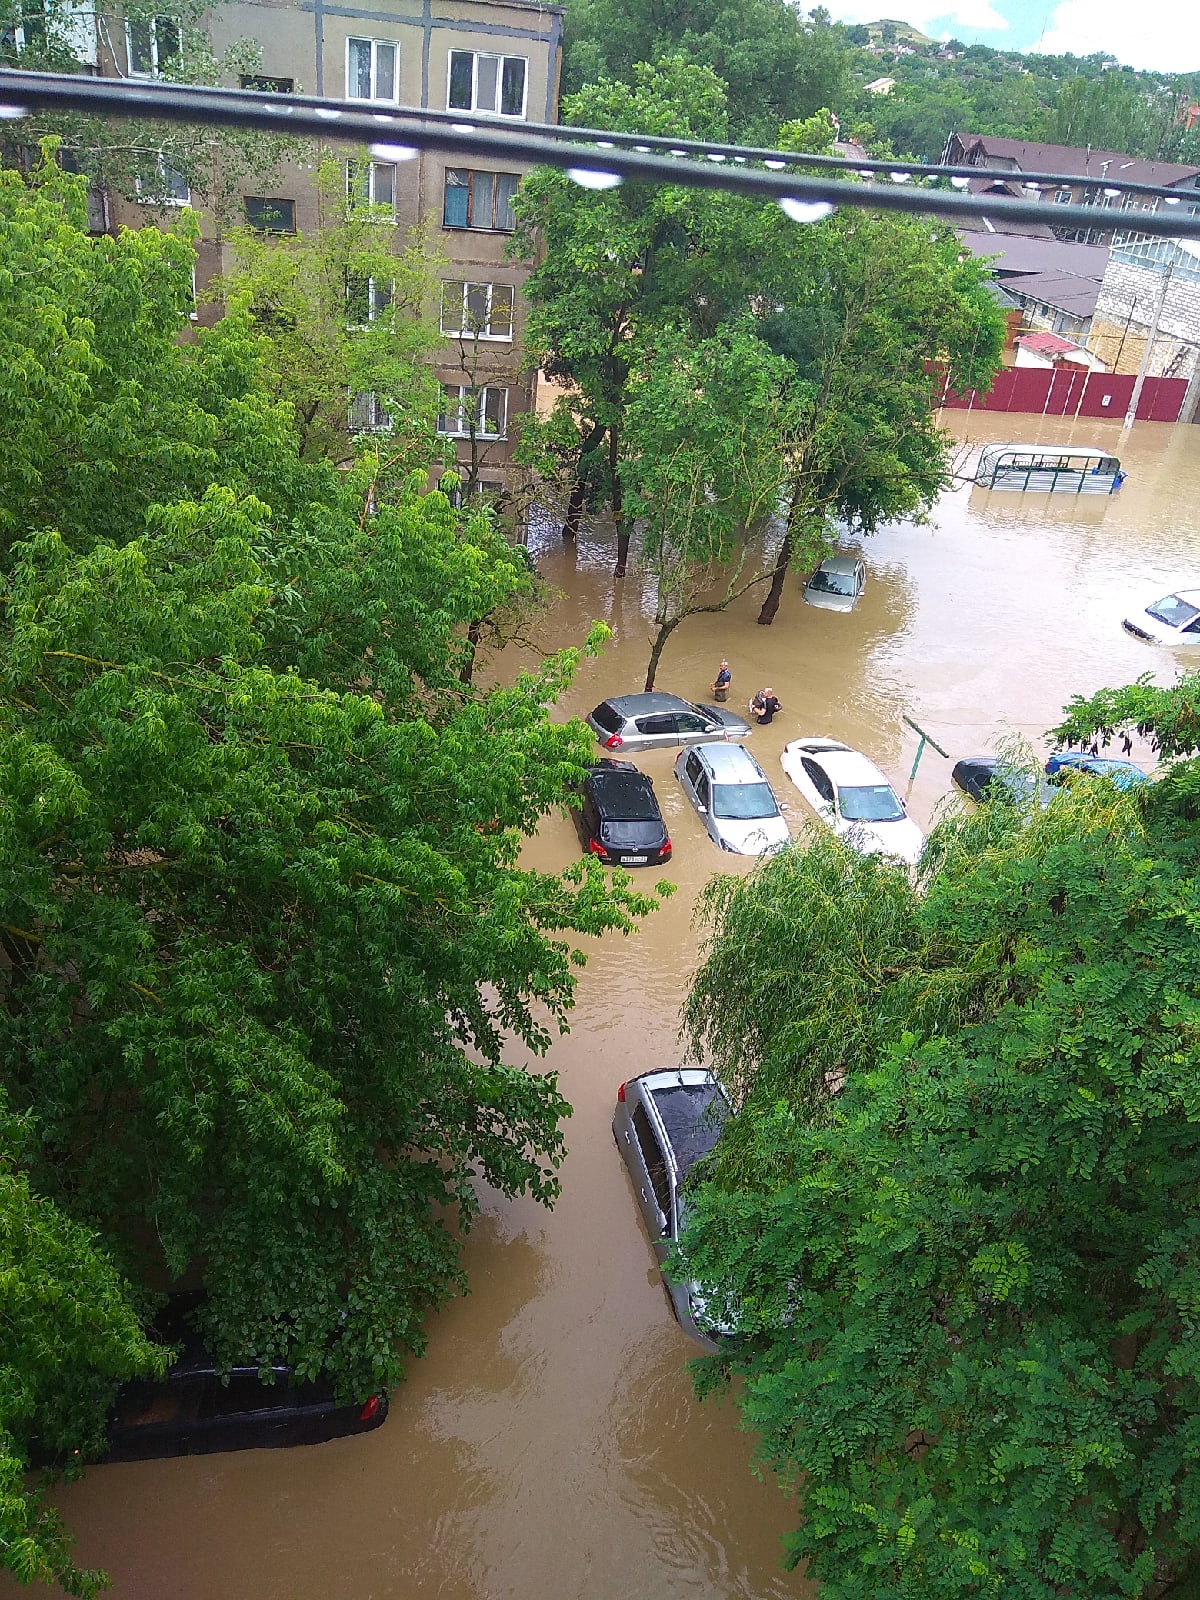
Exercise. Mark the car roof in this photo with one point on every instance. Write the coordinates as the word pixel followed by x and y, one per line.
pixel 848 564
pixel 1192 596
pixel 843 764
pixel 614 790
pixel 639 705
pixel 729 763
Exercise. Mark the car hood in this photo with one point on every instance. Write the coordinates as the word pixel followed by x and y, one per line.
pixel 728 719
pixel 830 602
pixel 902 839
pixel 754 836
pixel 1145 626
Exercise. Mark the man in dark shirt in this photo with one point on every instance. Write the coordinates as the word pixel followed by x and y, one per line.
pixel 764 706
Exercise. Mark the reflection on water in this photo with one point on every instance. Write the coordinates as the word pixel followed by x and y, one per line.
pixel 549 1447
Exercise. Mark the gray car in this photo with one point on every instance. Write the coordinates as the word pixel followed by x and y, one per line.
pixel 656 721
pixel 736 803
pixel 664 1122
pixel 837 584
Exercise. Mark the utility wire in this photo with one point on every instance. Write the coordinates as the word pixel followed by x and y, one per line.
pixel 595 159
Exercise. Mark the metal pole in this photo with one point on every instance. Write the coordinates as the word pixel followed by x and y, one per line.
pixel 1144 368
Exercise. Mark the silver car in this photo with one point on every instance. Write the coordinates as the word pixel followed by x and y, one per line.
pixel 664 1122
pixel 837 584
pixel 735 802
pixel 656 721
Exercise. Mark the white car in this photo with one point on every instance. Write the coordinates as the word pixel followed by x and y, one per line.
pixel 1175 619
pixel 850 794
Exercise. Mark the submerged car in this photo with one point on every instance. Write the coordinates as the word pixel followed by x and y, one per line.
pixel 850 795
pixel 837 584
pixel 1119 772
pixel 658 721
pixel 664 1123
pixel 730 792
pixel 198 1409
pixel 991 778
pixel 1175 619
pixel 619 819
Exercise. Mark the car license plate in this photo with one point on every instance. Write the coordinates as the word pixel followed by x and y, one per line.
pixel 633 861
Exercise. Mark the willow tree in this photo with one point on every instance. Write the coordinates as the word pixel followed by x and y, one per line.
pixel 956 1217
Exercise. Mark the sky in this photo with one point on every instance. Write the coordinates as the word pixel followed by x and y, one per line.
pixel 1156 36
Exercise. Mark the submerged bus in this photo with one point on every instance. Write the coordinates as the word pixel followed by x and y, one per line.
pixel 1078 469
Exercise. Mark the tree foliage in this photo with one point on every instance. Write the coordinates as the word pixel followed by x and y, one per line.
pixel 265 935
pixel 956 1214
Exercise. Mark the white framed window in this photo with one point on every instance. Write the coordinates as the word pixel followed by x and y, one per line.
pixel 27 29
pixel 167 187
pixel 373 70
pixel 495 85
pixel 368 414
pixel 152 43
pixel 468 412
pixel 372 183
pixel 366 299
pixel 477 310
pixel 481 201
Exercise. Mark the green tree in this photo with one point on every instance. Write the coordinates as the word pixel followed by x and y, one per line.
pixel 266 937
pixel 956 1215
pixel 776 62
pixel 68 1334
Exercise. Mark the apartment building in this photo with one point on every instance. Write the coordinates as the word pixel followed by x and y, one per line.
pixel 490 59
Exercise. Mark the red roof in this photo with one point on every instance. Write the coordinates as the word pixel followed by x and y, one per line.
pixel 1048 344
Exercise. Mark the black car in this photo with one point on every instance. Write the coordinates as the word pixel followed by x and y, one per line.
pixel 987 778
pixel 195 1410
pixel 619 820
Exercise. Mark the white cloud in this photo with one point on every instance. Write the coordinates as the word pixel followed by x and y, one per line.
pixel 1155 37
pixel 933 17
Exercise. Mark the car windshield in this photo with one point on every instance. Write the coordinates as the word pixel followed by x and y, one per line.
pixel 1176 613
pixel 742 801
pixel 832 582
pixel 870 802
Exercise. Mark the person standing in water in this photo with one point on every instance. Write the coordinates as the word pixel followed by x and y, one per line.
pixel 722 680
pixel 765 706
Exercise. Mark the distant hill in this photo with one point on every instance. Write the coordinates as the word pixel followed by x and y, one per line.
pixel 889 32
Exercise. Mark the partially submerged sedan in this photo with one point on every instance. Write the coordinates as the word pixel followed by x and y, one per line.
pixel 1173 620
pixel 850 795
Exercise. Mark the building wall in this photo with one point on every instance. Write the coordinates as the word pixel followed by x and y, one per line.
pixel 307 42
pixel 1125 314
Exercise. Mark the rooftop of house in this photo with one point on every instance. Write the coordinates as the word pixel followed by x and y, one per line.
pixel 1065 291
pixel 1022 155
pixel 1022 253
pixel 1047 344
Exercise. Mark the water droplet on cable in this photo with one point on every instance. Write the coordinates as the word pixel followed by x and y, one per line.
pixel 11 113
pixel 605 144
pixel 715 155
pixel 775 166
pixel 900 177
pixel 591 178
pixel 959 183
pixel 679 152
pixel 642 149
pixel 327 114
pixel 464 127
pixel 805 210
pixel 1112 193
pixel 867 173
pixel 395 152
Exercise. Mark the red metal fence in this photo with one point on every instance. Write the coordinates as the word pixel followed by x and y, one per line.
pixel 1072 392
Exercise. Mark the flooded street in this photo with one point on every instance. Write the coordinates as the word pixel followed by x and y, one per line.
pixel 549 1446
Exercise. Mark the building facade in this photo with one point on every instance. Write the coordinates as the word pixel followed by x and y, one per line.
pixel 1148 311
pixel 491 59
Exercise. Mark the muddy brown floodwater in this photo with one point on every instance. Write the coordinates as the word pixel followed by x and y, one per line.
pixel 549 1447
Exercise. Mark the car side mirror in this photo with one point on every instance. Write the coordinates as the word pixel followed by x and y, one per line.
pixel 703 810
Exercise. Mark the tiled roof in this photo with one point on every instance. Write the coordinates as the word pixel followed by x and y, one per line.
pixel 1026 156
pixel 1047 344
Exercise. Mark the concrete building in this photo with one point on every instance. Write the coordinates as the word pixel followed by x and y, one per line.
pixel 490 59
pixel 1150 296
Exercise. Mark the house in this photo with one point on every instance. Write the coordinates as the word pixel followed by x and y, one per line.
pixel 1088 177
pixel 1055 282
pixel 1049 350
pixel 880 86
pixel 1150 297
pixel 494 60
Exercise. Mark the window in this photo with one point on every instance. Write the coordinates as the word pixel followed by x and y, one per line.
pixel 261 84
pixel 366 298
pixel 656 1163
pixel 270 215
pixel 467 412
pixel 372 183
pixel 371 70
pixel 477 310
pixel 494 84
pixel 27 30
pixel 493 489
pixel 152 44
pixel 481 200
pixel 166 187
pixel 368 414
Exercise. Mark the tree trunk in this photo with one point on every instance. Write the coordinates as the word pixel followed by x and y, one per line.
pixel 665 630
pixel 570 530
pixel 618 512
pixel 770 605
pixel 474 634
